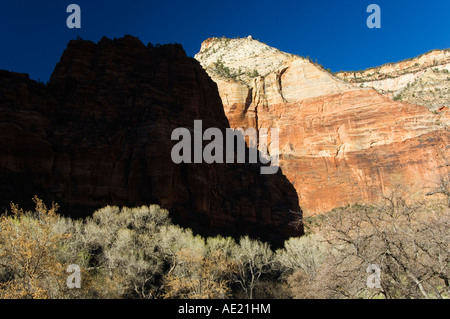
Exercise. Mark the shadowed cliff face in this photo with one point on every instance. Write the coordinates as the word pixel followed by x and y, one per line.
pixel 100 134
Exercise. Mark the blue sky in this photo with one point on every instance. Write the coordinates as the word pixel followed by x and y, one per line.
pixel 33 34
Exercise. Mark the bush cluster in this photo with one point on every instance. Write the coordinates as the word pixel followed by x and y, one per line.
pixel 140 253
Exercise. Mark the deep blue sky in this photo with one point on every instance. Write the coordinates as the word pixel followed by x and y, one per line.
pixel 33 34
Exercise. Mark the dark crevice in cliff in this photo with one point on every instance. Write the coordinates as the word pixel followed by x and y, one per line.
pixel 279 83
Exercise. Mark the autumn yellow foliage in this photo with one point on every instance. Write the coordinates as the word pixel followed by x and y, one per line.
pixel 196 276
pixel 27 253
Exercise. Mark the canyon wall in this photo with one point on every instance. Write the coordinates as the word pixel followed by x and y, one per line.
pixel 99 133
pixel 339 143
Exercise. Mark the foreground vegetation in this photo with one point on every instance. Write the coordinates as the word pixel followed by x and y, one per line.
pixel 139 253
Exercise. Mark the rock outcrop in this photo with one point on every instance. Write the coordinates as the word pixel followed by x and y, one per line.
pixel 424 80
pixel 99 133
pixel 339 144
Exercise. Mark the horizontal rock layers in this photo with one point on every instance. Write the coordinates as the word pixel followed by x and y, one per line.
pixel 424 80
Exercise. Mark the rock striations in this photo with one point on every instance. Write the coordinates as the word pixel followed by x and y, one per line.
pixel 339 144
pixel 424 80
pixel 99 133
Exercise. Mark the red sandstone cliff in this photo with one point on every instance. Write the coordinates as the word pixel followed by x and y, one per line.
pixel 339 144
pixel 100 133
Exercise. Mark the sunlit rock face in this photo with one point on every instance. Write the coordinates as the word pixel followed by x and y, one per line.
pixel 339 143
pixel 424 80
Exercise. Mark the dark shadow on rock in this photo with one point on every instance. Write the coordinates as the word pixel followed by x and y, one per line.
pixel 100 134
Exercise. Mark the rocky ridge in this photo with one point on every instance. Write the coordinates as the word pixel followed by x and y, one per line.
pixel 424 80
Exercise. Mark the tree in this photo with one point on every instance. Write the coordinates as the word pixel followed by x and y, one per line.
pixel 126 244
pixel 28 245
pixel 253 258
pixel 226 245
pixel 443 186
pixel 300 259
pixel 197 276
pixel 304 253
pixel 409 243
